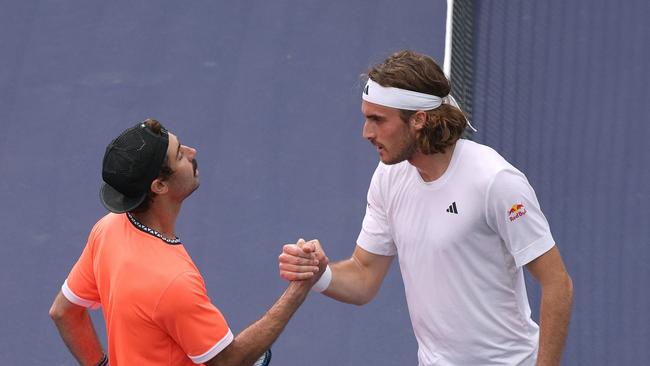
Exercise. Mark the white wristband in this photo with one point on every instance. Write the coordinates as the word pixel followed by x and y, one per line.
pixel 324 281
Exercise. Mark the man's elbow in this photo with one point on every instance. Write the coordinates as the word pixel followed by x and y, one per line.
pixel 562 288
pixel 569 287
pixel 359 302
pixel 565 282
pixel 61 308
pixel 356 298
pixel 56 312
pixel 364 297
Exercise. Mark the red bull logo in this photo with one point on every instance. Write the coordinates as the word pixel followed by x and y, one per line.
pixel 516 211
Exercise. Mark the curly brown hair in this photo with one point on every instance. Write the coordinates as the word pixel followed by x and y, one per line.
pixel 165 170
pixel 417 72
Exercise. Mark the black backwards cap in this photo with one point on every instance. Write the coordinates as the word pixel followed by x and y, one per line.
pixel 131 162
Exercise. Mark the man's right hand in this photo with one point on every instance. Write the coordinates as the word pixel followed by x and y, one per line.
pixel 302 261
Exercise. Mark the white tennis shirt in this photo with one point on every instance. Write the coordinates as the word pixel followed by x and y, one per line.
pixel 461 241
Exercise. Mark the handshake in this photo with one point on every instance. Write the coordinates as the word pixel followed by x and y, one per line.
pixel 303 261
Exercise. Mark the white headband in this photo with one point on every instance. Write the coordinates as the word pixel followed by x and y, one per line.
pixel 405 99
pixel 399 98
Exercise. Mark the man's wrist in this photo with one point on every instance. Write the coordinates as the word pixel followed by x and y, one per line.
pixel 324 281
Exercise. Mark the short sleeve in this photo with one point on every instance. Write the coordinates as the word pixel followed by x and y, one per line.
pixel 376 236
pixel 513 211
pixel 188 316
pixel 80 287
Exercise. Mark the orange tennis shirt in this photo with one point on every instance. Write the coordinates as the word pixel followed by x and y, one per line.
pixel 153 297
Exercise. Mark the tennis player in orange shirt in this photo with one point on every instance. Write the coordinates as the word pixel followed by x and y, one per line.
pixel 134 267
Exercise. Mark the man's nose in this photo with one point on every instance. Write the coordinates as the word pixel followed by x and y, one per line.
pixel 191 152
pixel 368 131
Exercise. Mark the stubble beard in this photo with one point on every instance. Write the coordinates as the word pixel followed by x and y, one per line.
pixel 404 150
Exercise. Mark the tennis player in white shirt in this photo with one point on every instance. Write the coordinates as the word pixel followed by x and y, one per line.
pixel 463 223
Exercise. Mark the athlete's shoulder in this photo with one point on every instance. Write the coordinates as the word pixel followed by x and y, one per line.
pixel 110 218
pixel 483 159
pixel 104 222
pixel 108 221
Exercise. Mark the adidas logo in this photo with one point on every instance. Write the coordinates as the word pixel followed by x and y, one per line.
pixel 452 208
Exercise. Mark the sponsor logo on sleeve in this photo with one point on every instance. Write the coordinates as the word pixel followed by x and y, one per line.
pixel 516 211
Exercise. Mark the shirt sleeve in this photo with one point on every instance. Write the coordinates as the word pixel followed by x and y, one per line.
pixel 188 316
pixel 376 236
pixel 80 287
pixel 513 211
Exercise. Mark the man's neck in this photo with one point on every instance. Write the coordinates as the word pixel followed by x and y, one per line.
pixel 432 167
pixel 160 217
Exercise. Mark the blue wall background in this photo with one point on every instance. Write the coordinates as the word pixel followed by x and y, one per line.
pixel 269 94
pixel 561 90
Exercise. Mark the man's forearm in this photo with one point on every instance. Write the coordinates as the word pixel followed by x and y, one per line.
pixel 251 343
pixel 350 283
pixel 78 333
pixel 358 279
pixel 555 314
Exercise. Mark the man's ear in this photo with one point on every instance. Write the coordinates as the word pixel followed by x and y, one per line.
pixel 418 120
pixel 159 186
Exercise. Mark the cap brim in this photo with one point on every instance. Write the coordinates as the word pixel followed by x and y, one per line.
pixel 116 202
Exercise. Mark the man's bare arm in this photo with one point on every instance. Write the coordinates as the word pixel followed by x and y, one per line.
pixel 253 341
pixel 76 330
pixel 555 309
pixel 355 280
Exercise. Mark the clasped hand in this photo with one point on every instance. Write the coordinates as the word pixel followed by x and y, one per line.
pixel 302 261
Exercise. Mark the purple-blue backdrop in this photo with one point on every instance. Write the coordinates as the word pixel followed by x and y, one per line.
pixel 268 92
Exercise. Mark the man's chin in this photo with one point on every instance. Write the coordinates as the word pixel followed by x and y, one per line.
pixel 196 186
pixel 390 161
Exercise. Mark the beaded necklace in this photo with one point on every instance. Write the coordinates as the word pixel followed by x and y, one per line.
pixel 151 231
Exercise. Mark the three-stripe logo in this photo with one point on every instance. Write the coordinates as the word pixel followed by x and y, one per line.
pixel 452 208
